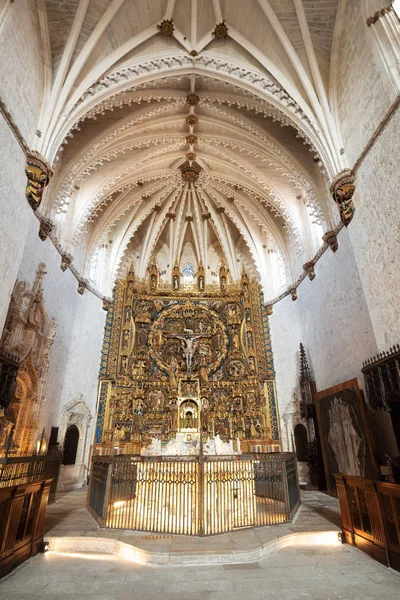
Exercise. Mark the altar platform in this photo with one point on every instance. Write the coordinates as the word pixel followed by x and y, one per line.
pixel 72 531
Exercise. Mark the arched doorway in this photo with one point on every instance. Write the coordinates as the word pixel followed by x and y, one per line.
pixel 300 442
pixel 70 445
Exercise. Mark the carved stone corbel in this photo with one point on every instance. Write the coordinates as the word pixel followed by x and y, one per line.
pixel 106 304
pixel 330 238
pixel 82 285
pixel 45 228
pixel 269 309
pixel 342 190
pixel 309 269
pixel 38 172
pixel 66 259
pixel 293 293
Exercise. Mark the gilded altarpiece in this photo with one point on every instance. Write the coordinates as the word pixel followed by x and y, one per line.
pixel 186 360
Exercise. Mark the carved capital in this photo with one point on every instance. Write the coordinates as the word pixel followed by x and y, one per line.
pixel 342 190
pixel 330 238
pixel 38 172
pixel 309 269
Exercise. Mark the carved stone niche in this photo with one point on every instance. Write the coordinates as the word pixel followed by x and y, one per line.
pixel 298 434
pixel 28 338
pixel 74 429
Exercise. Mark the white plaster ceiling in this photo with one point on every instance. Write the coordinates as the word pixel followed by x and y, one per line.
pixel 113 126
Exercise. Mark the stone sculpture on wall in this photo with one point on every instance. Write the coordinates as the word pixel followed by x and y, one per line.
pixel 28 337
pixel 38 172
pixel 342 190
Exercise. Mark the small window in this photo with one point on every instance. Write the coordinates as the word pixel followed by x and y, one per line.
pixel 396 7
pixel 188 273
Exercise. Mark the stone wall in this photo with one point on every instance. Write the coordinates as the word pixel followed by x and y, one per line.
pixel 22 66
pixel 375 234
pixel 364 96
pixel 75 355
pixel 364 92
pixel 331 319
pixel 286 337
pixel 16 215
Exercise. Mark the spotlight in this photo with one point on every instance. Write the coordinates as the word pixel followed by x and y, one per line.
pixel 44 546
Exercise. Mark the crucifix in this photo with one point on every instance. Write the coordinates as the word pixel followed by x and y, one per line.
pixel 189 341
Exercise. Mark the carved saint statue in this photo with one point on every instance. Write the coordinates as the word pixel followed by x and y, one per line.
pixel 189 420
pixel 343 438
pixel 173 373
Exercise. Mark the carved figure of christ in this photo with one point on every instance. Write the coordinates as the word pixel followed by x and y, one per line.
pixel 190 342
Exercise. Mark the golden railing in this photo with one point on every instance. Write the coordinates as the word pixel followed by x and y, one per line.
pixel 193 495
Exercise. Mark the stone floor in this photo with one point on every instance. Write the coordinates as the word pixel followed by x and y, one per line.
pixel 68 517
pixel 337 573
pixel 318 572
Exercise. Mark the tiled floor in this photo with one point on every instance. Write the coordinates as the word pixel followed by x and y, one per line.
pixel 294 573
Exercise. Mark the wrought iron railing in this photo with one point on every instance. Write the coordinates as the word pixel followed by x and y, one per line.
pixel 20 470
pixel 193 495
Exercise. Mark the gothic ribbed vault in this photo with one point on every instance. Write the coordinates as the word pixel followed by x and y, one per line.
pixel 239 90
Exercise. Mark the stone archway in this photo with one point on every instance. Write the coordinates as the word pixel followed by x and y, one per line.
pixel 300 442
pixel 75 423
pixel 70 447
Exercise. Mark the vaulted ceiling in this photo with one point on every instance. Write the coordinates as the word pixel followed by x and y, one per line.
pixel 189 123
